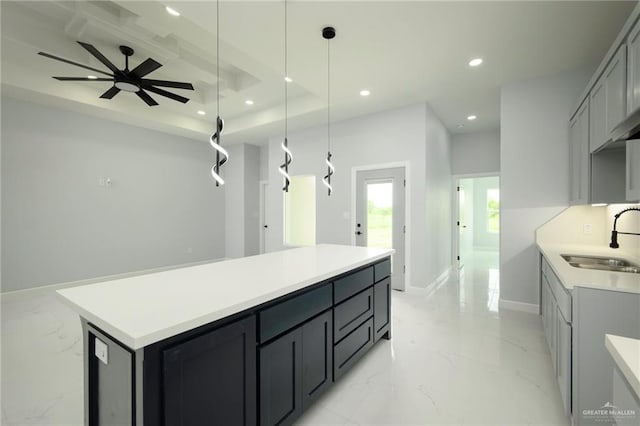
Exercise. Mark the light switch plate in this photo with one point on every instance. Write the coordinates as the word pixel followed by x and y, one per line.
pixel 102 351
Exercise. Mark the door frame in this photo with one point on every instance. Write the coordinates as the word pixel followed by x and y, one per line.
pixel 407 208
pixel 262 205
pixel 455 181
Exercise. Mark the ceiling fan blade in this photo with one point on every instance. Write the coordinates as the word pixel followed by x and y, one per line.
pixel 145 68
pixel 82 79
pixel 165 83
pixel 166 94
pixel 99 56
pixel 109 94
pixel 145 97
pixel 47 55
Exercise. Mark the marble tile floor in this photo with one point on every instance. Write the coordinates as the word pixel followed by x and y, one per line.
pixel 455 359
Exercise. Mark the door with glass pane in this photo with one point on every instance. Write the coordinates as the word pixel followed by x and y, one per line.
pixel 380 215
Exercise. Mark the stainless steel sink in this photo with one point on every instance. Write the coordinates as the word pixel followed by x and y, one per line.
pixel 601 263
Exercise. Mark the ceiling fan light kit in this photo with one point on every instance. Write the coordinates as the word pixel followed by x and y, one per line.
pixel 126 80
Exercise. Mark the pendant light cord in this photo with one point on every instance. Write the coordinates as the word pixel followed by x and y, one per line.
pixel 218 57
pixel 329 95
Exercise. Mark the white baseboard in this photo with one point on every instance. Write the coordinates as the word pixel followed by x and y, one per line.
pixel 519 306
pixel 34 291
pixel 442 278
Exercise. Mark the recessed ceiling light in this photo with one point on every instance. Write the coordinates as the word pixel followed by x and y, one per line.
pixel 92 77
pixel 460 126
pixel 471 117
pixel 248 102
pixel 475 62
pixel 365 92
pixel 172 11
pixel 201 112
pixel 288 79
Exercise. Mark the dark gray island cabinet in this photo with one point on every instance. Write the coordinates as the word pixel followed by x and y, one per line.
pixel 261 365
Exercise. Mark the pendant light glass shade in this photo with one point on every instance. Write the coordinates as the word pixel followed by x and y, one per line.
pixel 222 156
pixel 284 167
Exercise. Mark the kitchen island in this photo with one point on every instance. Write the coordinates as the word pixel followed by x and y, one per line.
pixel 247 341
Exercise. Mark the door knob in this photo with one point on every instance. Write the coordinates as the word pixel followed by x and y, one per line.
pixel 265 226
pixel 358 233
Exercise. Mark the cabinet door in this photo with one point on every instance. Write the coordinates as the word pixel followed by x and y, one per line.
pixel 382 308
pixel 579 162
pixel 317 358
pixel 598 133
pixel 550 313
pixel 633 170
pixel 281 380
pixel 616 86
pixel 563 361
pixel 633 69
pixel 211 379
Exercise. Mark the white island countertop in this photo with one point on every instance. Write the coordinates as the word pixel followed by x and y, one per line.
pixel 145 309
pixel 626 354
pixel 571 276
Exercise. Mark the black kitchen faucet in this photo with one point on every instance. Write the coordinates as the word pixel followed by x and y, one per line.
pixel 614 234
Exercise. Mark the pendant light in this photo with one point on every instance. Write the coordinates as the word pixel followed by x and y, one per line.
pixel 222 156
pixel 284 167
pixel 328 33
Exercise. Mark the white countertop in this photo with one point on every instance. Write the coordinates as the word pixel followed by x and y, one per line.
pixel 145 309
pixel 626 354
pixel 571 276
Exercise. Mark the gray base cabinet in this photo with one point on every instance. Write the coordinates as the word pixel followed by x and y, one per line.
pixel 596 313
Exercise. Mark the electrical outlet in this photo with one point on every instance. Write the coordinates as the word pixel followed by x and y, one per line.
pixel 588 228
pixel 101 351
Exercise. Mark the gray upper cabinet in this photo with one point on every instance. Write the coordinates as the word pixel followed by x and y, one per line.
pixel 608 100
pixel 579 156
pixel 633 67
pixel 633 170
pixel 616 82
pixel 598 134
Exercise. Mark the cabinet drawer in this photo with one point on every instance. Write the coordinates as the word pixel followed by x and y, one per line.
pixel 382 270
pixel 346 287
pixel 352 348
pixel 351 313
pixel 291 312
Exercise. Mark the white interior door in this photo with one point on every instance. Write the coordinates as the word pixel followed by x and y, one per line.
pixel 264 227
pixel 380 215
pixel 465 220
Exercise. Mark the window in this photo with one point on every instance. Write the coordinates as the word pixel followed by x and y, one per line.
pixel 493 210
pixel 300 212
pixel 380 214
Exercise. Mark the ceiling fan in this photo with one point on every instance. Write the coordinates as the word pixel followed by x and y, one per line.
pixel 128 80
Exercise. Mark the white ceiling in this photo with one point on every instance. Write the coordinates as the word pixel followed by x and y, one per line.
pixel 404 52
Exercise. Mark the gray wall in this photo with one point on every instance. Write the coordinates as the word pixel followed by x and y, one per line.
pixel 241 177
pixel 411 134
pixel 251 200
pixel 60 225
pixel 473 153
pixel 534 175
